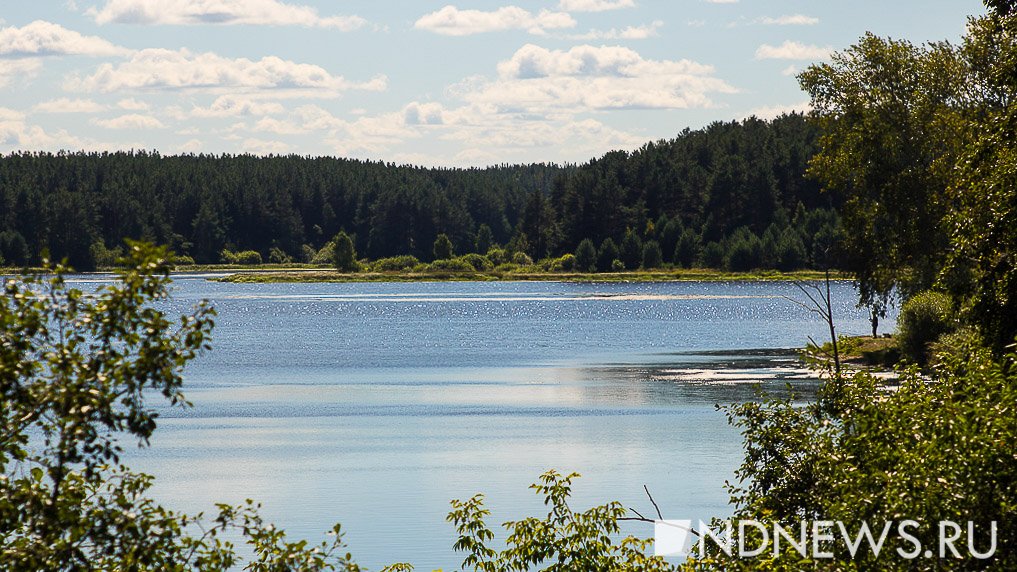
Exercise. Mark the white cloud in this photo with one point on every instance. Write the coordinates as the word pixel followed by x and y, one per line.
pixel 279 127
pixel 790 50
pixel 594 5
pixel 187 12
pixel 536 80
pixel 41 38
pixel 67 105
pixel 16 135
pixel 131 104
pixel 773 111
pixel 232 106
pixel 21 69
pixel 628 33
pixel 191 146
pixel 263 147
pixel 130 121
pixel 159 69
pixel 451 21
pixel 789 20
pixel 789 71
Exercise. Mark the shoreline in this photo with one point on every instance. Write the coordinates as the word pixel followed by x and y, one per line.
pixel 291 275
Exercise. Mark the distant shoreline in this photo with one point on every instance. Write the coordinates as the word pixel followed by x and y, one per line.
pixel 303 275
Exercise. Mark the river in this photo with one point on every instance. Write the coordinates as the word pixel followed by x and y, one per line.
pixel 374 404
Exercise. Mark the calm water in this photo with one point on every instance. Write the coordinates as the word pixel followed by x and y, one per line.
pixel 375 404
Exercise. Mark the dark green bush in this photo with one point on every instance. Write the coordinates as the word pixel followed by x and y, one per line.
pixel 395 263
pixel 652 256
pixel 923 319
pixel 450 265
pixel 248 258
pixel 586 256
pixel 477 261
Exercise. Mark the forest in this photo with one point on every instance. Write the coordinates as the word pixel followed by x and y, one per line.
pixel 731 195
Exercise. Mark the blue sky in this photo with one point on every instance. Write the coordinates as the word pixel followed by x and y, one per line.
pixel 470 83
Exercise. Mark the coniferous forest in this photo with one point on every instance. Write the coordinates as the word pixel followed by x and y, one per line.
pixel 730 195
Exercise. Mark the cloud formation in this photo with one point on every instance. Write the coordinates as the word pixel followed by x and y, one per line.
pixel 130 121
pixel 67 105
pixel 538 83
pixel 11 70
pixel 222 12
pixel 628 33
pixel 594 5
pixel 41 38
pixel 451 21
pixel 791 50
pixel 160 69
pixel 790 20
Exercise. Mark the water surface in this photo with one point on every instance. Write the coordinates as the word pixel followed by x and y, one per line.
pixel 375 404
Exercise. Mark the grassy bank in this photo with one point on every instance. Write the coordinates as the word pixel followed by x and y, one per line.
pixel 319 275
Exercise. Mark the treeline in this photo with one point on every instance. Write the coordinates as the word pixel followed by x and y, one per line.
pixel 732 194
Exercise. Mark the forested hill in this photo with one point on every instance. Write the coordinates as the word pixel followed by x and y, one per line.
pixel 722 183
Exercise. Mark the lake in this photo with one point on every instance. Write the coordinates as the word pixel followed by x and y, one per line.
pixel 374 404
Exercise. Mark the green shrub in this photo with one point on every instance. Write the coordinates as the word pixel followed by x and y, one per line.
pixel 443 248
pixel 307 253
pixel 652 255
pixel 248 258
pixel 498 256
pixel 344 254
pixel 522 259
pixel 227 256
pixel 450 265
pixel 713 255
pixel 395 263
pixel 277 256
pixel 585 256
pixel 183 260
pixel 607 254
pixel 564 263
pixel 923 319
pixel 506 267
pixel 617 266
pixel 477 262
pixel 325 255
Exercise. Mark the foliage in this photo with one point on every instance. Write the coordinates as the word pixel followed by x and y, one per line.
pixel 686 249
pixel 277 256
pixel 981 267
pixel 891 136
pixel 923 319
pixel 442 249
pixel 586 256
pixel 631 252
pixel 652 256
pixel 744 251
pixel 246 257
pixel 485 239
pixel 344 254
pixel 562 540
pixel 928 451
pixel 395 263
pixel 325 255
pixel 522 259
pixel 498 256
pixel 477 262
pixel 564 263
pixel 76 370
pixel 606 256
pixel 104 257
pixel 450 265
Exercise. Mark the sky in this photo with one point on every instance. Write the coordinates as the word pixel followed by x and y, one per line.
pixel 472 83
